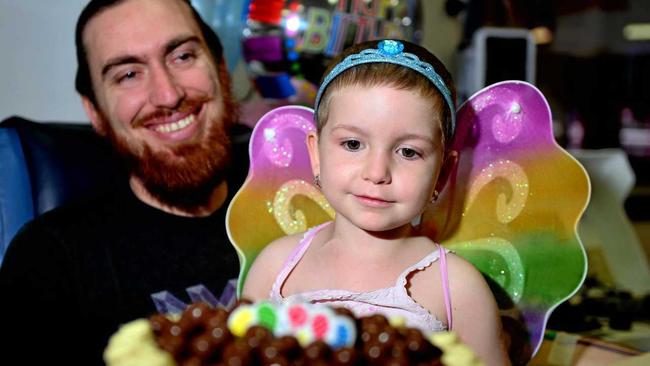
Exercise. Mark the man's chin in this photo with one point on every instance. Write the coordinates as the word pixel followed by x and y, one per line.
pixel 188 198
pixel 187 180
pixel 183 176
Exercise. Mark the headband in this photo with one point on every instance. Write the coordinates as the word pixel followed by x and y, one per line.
pixel 390 51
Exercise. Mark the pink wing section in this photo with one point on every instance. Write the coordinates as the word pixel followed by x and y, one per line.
pixel 512 204
pixel 278 196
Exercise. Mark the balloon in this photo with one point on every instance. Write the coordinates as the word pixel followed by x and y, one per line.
pixel 288 40
pixel 225 17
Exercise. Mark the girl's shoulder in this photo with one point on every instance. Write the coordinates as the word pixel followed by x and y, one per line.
pixel 461 268
pixel 267 265
pixel 281 247
pixel 461 274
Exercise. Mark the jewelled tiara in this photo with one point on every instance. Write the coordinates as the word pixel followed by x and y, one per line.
pixel 390 51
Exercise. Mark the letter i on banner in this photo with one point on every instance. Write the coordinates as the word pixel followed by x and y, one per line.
pixel 338 33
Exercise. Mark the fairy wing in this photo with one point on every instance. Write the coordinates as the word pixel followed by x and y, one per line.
pixel 512 204
pixel 278 196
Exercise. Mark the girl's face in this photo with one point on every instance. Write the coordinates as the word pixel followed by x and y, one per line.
pixel 378 156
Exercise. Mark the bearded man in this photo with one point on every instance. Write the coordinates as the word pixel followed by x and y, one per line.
pixel 152 80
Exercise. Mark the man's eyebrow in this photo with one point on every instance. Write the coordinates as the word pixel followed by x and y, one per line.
pixel 120 60
pixel 129 59
pixel 174 43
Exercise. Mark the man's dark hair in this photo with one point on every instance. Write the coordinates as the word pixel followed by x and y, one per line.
pixel 83 82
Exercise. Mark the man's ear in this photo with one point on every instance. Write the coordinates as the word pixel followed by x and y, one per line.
pixel 312 147
pixel 448 166
pixel 96 118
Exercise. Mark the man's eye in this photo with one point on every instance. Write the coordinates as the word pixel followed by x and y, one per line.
pixel 126 76
pixel 352 145
pixel 408 153
pixel 185 56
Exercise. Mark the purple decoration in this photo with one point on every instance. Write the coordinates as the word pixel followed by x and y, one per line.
pixel 264 49
pixel 166 303
pixel 229 294
pixel 200 293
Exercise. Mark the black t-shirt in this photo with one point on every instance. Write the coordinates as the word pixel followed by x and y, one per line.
pixel 74 274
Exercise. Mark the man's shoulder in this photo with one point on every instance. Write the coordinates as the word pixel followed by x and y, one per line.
pixel 60 234
pixel 81 212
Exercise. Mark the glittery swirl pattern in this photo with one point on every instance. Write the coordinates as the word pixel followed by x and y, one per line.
pixel 295 221
pixel 277 197
pixel 512 204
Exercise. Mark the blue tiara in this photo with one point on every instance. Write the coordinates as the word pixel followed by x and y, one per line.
pixel 390 51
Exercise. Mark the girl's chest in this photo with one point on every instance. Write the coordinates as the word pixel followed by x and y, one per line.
pixel 343 273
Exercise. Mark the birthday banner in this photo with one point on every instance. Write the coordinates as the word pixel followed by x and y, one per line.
pixel 287 39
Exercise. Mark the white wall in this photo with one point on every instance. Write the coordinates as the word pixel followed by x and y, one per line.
pixel 38 62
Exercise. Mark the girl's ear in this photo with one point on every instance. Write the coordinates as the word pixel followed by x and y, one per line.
pixel 312 147
pixel 448 166
pixel 96 118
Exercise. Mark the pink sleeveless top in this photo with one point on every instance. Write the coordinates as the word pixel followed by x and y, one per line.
pixel 390 301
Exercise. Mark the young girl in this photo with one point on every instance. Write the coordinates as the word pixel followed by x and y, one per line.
pixel 385 115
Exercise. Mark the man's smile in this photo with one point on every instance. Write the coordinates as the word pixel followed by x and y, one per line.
pixel 175 126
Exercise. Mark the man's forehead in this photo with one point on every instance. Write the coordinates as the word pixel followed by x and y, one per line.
pixel 138 26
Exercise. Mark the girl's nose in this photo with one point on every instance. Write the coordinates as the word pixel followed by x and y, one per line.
pixel 377 169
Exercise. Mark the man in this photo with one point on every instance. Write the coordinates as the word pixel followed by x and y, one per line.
pixel 152 80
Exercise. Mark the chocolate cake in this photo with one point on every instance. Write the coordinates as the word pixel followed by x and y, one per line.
pixel 267 334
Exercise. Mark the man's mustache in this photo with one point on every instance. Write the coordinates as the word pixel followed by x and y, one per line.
pixel 186 106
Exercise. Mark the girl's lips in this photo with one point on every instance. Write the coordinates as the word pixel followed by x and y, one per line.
pixel 372 201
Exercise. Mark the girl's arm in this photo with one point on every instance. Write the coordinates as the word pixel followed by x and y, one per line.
pixel 266 268
pixel 475 313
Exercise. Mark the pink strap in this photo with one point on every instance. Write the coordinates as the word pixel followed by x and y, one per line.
pixel 293 258
pixel 445 283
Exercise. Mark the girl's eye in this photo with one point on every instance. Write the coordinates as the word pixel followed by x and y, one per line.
pixel 352 145
pixel 408 153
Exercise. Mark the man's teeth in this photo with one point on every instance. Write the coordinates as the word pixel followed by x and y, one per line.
pixel 175 126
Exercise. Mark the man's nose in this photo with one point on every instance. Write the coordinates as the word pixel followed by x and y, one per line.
pixel 164 89
pixel 377 169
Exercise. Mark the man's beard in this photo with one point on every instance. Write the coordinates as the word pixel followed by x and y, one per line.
pixel 188 178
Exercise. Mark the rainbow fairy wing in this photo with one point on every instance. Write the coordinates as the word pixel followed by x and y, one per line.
pixel 278 196
pixel 512 204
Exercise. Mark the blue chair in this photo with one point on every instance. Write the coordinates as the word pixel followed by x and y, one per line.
pixel 43 165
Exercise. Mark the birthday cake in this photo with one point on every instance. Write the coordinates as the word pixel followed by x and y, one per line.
pixel 267 334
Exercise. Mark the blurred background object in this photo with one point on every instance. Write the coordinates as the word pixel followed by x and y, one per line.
pixel 287 44
pixel 616 257
pixel 226 18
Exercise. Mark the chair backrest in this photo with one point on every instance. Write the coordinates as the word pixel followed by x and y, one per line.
pixel 43 165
